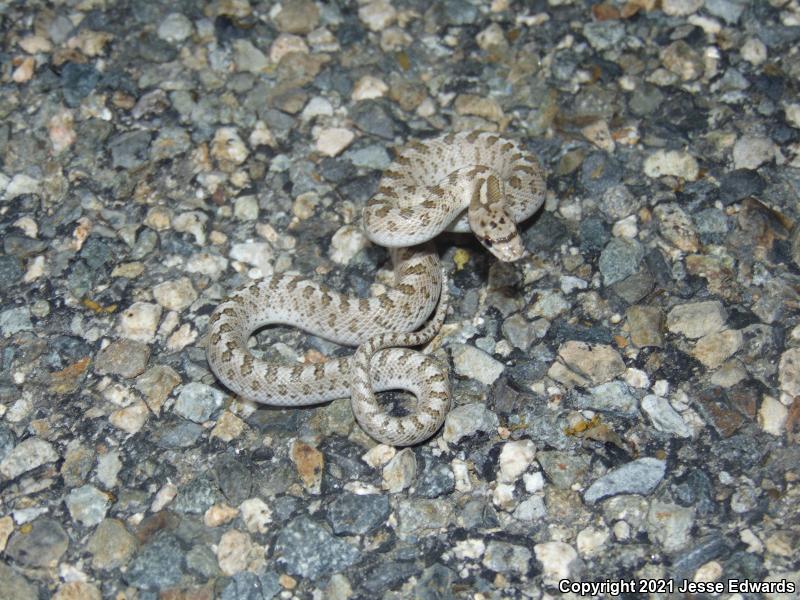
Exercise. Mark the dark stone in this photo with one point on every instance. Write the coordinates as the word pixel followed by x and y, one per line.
pixel 130 149
pixel 372 118
pixel 78 81
pixel 336 170
pixel 388 575
pixel 594 234
pixel 149 47
pixel 197 496
pixel 7 441
pixel 739 184
pixel 545 235
pixel 435 480
pixel 563 331
pixel 695 489
pixel 714 407
pixel 741 452
pixel 23 246
pixel 435 583
pixel 44 544
pixel 688 561
pixel 307 549
pixel 354 514
pixel 599 172
pixel 177 435
pixel 10 272
pixel 157 565
pixel 360 189
pixel 234 479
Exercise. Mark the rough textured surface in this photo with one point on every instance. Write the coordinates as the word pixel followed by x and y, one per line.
pixel 155 157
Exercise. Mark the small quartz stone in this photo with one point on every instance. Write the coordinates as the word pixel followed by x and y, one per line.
pixel 671 162
pixel 333 141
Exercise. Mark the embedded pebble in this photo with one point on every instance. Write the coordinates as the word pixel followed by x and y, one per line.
pixel 176 295
pixel 715 348
pixel 175 27
pixel 41 544
pixel 334 140
pixel 26 456
pixel 228 147
pixel 558 561
pixel 400 472
pixel 645 324
pixel 680 8
pixel 256 514
pixel 469 419
pixel 789 372
pixel 352 514
pixel 377 14
pixel 750 152
pixel 596 363
pixel 298 16
pixel 476 364
pixel 676 226
pixel 307 549
pixel 503 557
pixel 640 476
pixel 87 505
pixel 515 458
pixel 656 302
pixel 140 321
pixel 697 319
pixel 664 417
pixel 369 87
pixel 15 320
pixel 669 524
pixel 684 61
pixel 198 402
pixel 671 162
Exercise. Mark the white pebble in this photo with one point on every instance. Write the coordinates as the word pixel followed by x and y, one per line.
pixel 515 458
pixel 368 88
pixel 772 416
pixel 139 321
pixel 754 51
pixel 334 140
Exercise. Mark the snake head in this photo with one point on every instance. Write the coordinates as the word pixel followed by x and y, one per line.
pixel 490 222
pixel 505 249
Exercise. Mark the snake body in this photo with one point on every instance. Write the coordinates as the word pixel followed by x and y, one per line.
pixel 459 182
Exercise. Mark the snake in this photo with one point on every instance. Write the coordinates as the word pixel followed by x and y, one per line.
pixel 474 181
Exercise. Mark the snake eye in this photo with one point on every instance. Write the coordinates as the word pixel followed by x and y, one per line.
pixel 487 240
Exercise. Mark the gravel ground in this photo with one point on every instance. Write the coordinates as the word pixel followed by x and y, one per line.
pixel 627 399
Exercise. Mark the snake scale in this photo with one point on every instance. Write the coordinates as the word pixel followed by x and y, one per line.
pixel 477 181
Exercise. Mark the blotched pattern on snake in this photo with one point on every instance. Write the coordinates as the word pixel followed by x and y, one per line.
pixel 458 182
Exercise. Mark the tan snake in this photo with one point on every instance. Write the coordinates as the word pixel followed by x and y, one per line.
pixel 458 182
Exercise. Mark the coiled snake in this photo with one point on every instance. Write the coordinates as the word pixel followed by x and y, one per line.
pixel 458 182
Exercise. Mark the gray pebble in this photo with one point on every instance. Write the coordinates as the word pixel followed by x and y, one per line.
pixel 620 259
pixel 15 320
pixel 87 504
pixel 198 402
pixel 464 421
pixel 157 565
pixel 353 514
pixel 640 476
pixel 42 546
pixel 435 480
pixel 307 549
pixel 503 557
